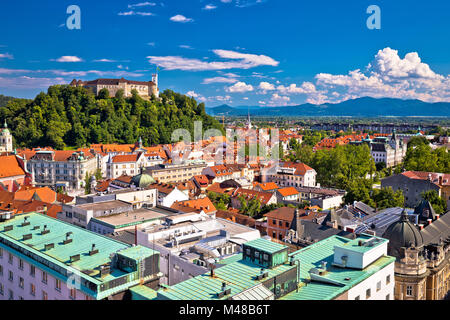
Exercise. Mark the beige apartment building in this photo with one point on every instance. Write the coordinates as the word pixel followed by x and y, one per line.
pixel 165 173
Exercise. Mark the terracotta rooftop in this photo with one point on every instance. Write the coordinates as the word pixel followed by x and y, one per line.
pixel 289 191
pixel 10 167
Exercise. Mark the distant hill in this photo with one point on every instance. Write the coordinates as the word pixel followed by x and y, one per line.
pixel 361 107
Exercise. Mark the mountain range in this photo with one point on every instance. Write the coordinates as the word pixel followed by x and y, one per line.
pixel 361 107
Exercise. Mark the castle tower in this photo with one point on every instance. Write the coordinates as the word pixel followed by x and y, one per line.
pixel 249 123
pixel 6 139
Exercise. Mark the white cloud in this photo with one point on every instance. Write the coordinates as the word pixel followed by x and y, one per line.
pixel 135 13
pixel 68 59
pixel 25 82
pixel 266 86
pixel 219 80
pixel 151 44
pixel 242 61
pixel 210 7
pixel 240 87
pixel 388 75
pixel 142 4
pixel 306 87
pixel 184 46
pixel 105 60
pixel 6 56
pixel 180 18
pixel 277 100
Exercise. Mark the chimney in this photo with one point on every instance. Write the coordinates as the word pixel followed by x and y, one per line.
pixel 421 226
pixel 438 216
pixel 429 221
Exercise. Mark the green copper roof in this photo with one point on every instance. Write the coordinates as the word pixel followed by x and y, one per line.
pixel 312 256
pixel 265 245
pixel 239 276
pixel 57 260
pixel 142 292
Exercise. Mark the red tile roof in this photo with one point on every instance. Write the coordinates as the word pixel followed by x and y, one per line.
pixel 300 168
pixel 125 158
pixel 9 167
pixel 264 197
pixel 289 191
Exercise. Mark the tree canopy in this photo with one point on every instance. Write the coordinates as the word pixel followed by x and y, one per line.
pixel 69 116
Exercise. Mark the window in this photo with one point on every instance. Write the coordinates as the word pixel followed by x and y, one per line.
pixel 274 222
pixel 368 293
pixel 11 295
pixel 357 298
pixel 1 270
pixel 58 284
pixel 20 264
pixel 73 293
pixel 287 224
pixel 409 291
pixel 32 289
pixel 1 289
pixel 11 276
pixel 44 295
pixel 21 282
pixel 388 279
pixel 281 223
pixel 274 234
pixel 378 286
pixel 1 253
pixel 32 271
pixel 10 258
pixel 44 277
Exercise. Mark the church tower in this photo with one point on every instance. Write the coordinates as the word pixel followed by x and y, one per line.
pixel 249 123
pixel 6 139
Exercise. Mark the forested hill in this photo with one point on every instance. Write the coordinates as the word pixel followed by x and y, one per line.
pixel 75 117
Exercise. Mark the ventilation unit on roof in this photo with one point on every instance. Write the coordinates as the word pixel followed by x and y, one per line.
pixel 36 227
pixel 27 236
pixel 8 228
pixel 45 230
pixel 74 258
pixel 25 222
pixel 93 250
pixel 49 246
pixel 68 240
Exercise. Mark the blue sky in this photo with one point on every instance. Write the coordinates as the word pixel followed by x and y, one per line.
pixel 239 52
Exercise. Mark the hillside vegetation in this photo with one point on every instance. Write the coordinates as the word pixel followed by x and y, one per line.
pixel 69 116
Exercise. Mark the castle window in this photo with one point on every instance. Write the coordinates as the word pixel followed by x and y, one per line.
pixel 409 291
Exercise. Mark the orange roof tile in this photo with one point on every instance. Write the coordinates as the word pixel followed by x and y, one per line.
pixel 9 167
pixel 289 191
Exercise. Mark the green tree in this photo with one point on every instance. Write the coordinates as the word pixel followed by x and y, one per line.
pixel 437 202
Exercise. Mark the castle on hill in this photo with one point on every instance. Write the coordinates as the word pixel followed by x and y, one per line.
pixel 144 88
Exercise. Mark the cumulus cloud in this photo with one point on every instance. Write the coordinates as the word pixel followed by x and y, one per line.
pixel 277 100
pixel 388 75
pixel 180 18
pixel 266 86
pixel 237 60
pixel 240 87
